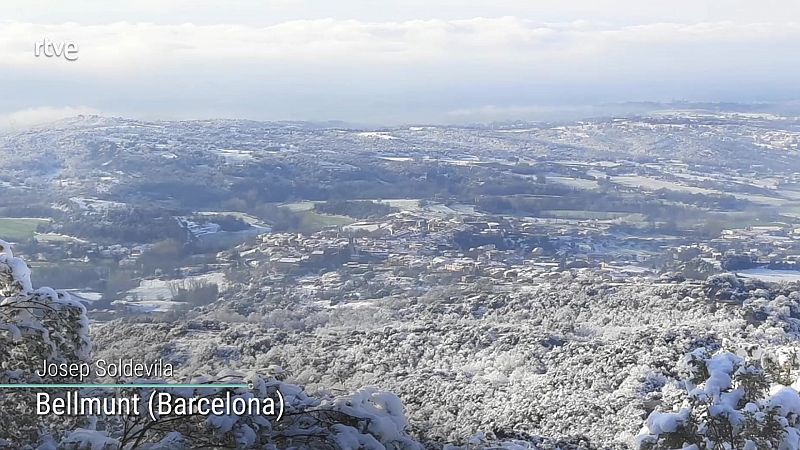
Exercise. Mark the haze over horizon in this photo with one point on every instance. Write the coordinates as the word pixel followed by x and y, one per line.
pixel 406 62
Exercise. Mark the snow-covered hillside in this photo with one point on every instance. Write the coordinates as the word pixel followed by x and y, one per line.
pixel 570 357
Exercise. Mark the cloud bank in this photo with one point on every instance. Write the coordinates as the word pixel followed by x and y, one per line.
pixel 303 68
pixel 146 46
pixel 29 117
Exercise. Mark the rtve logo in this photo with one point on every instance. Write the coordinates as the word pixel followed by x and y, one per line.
pixel 67 49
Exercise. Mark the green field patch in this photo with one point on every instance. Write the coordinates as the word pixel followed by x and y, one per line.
pixel 19 229
pixel 717 221
pixel 299 206
pixel 311 221
pixel 403 204
pixel 654 184
pixel 589 215
pixel 55 237
pixel 577 183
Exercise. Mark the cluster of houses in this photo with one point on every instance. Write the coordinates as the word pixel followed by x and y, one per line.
pixel 416 249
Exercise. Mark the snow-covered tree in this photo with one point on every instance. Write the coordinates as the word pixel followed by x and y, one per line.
pixel 728 402
pixel 35 325
pixel 368 420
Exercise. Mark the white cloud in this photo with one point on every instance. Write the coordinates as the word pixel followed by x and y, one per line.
pixel 350 69
pixel 269 12
pixel 29 117
pixel 143 47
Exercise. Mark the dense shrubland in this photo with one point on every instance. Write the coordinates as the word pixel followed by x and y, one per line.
pixel 569 360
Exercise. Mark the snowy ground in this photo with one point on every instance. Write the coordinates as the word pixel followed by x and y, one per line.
pixel 559 355
pixel 156 295
pixel 772 276
pixel 376 135
pixel 88 296
pixel 234 155
pixel 86 203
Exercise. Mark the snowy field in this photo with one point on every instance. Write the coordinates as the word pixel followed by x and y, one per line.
pixel 396 158
pixel 88 296
pixel 251 220
pixel 234 155
pixel 157 290
pixel 377 135
pixel 770 275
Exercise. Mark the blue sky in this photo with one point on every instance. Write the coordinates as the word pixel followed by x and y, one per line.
pixel 391 61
